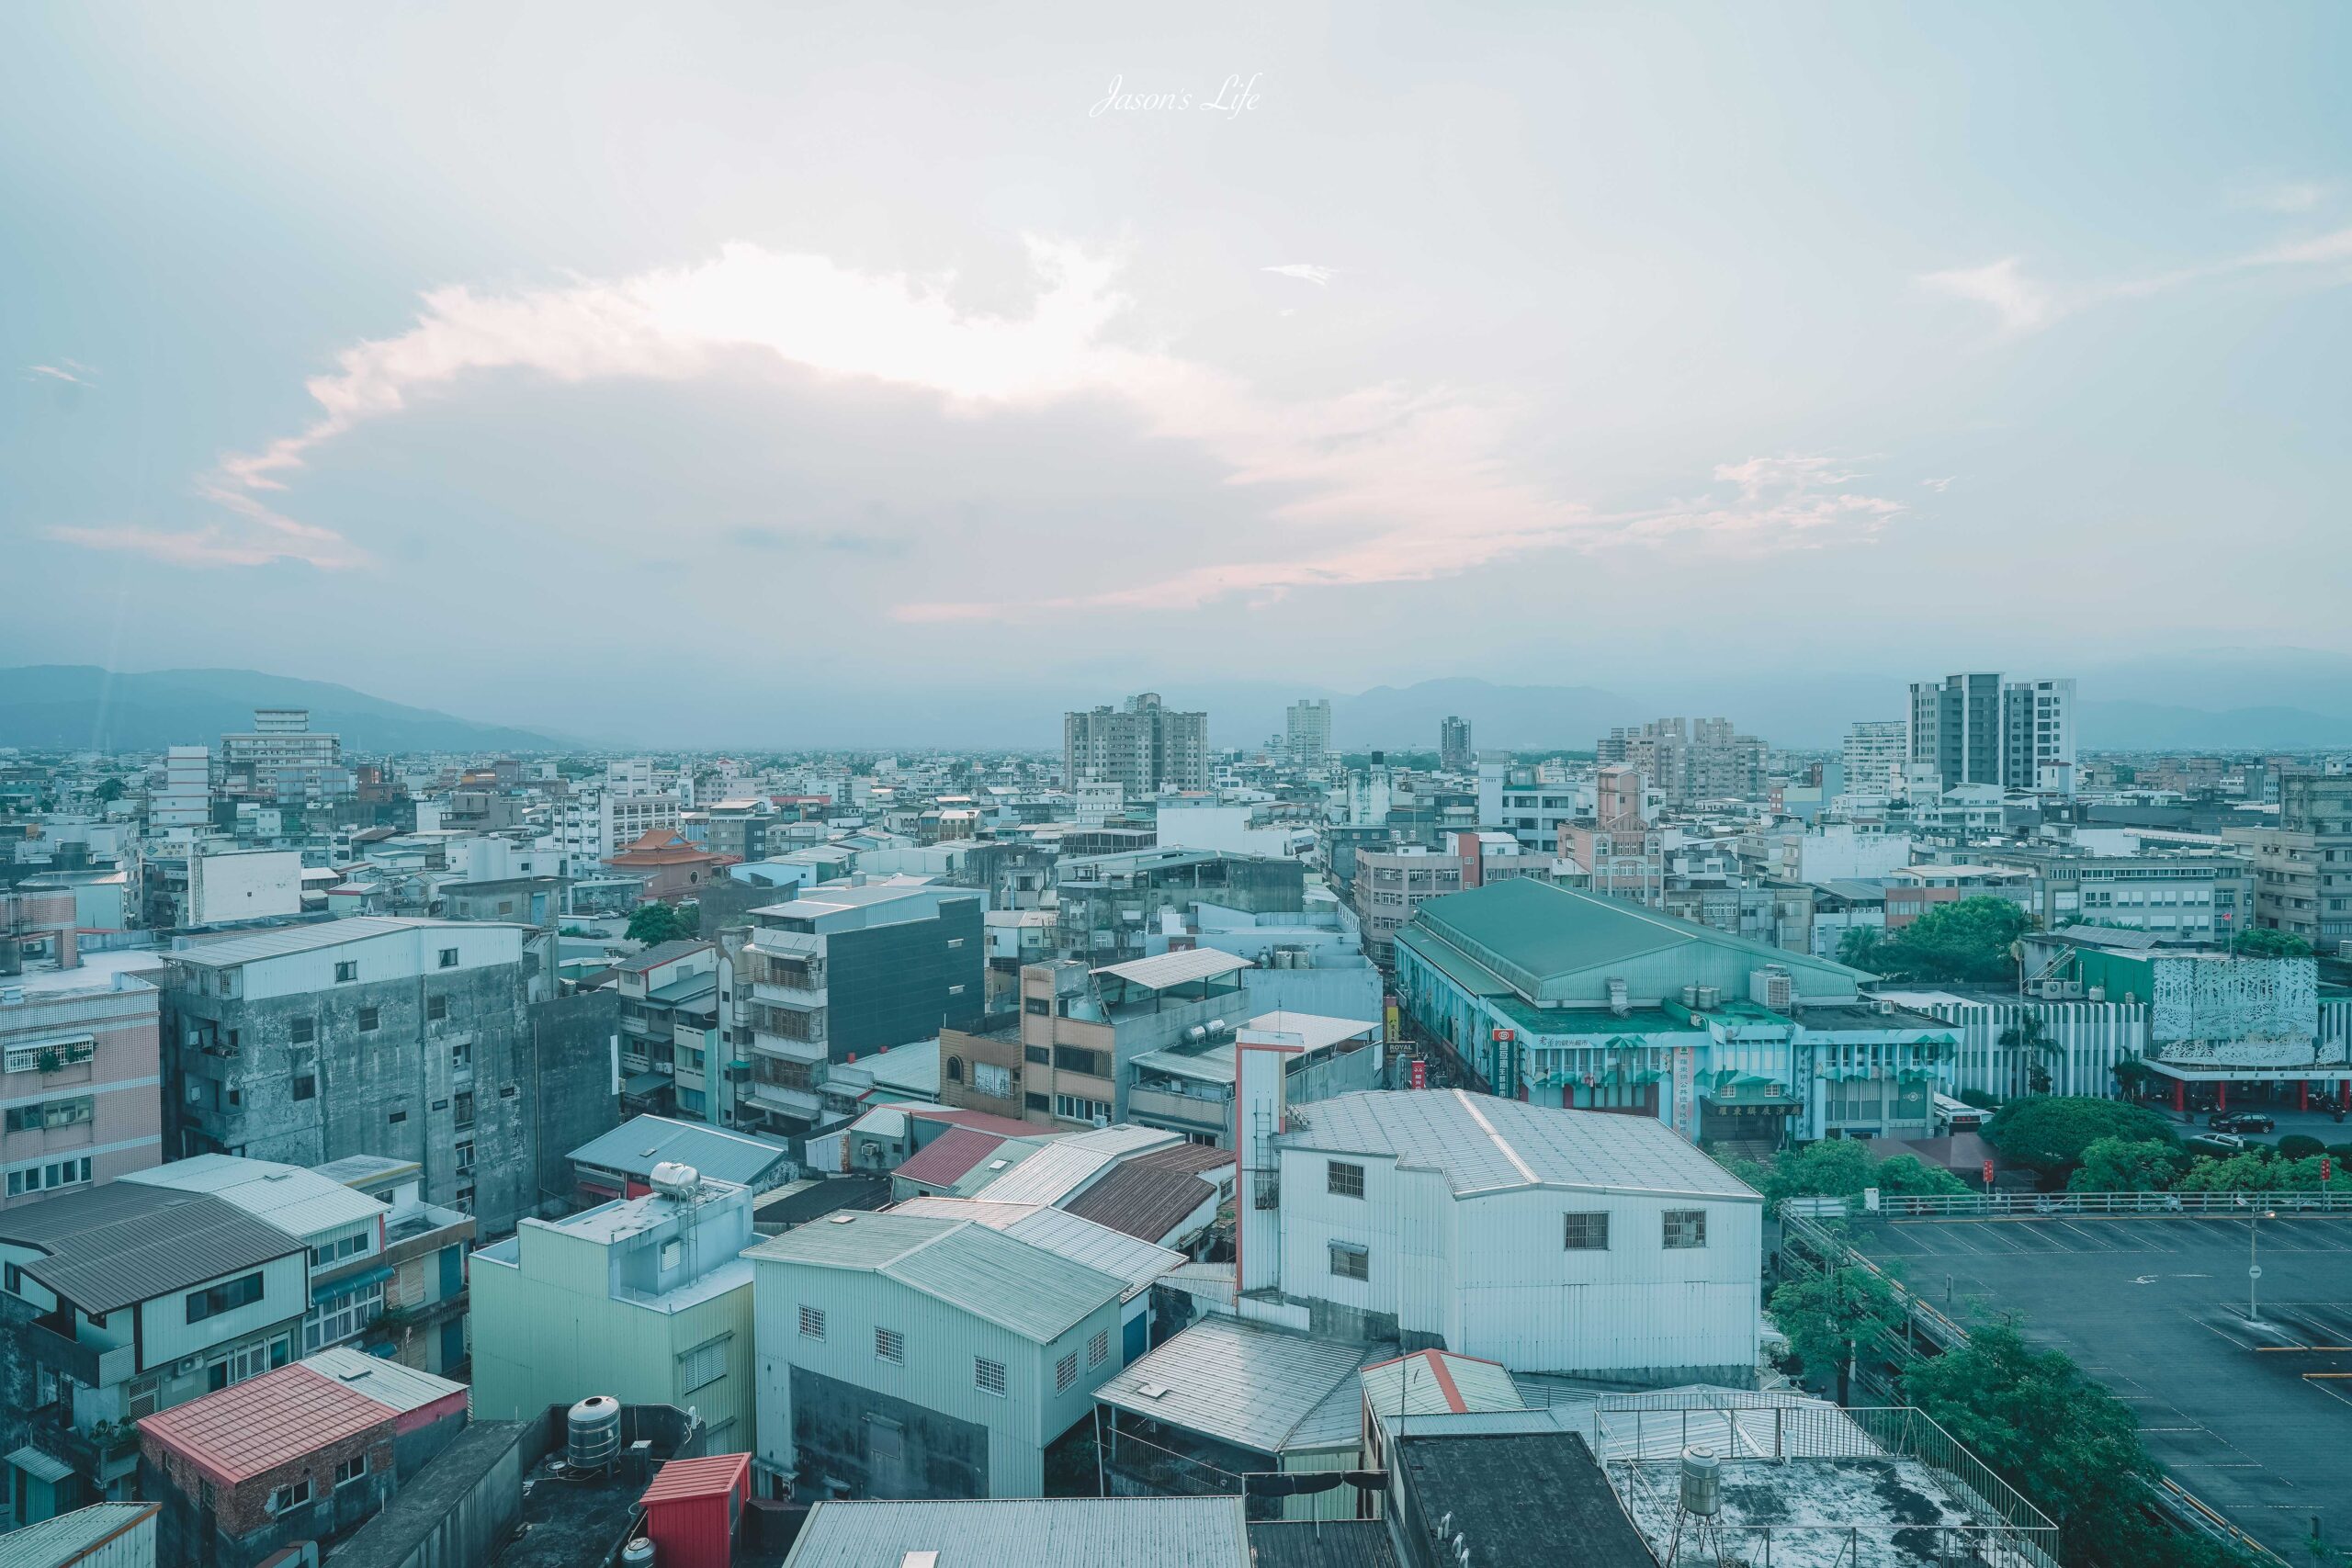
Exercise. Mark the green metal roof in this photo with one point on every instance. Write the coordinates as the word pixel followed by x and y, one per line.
pixel 1547 931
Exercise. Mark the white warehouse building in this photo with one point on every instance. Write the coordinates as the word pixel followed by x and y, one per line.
pixel 1570 1242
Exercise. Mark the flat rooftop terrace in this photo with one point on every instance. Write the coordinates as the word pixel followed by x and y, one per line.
pixel 2251 1417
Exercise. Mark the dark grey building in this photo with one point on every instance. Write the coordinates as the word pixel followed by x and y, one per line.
pixel 413 1040
pixel 848 970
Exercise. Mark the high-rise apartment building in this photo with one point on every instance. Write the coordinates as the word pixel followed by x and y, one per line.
pixel 1875 751
pixel 282 754
pixel 1454 753
pixel 183 804
pixel 1688 761
pixel 2303 867
pixel 1983 728
pixel 1143 748
pixel 1307 732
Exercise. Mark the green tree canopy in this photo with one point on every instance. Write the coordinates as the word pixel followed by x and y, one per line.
pixel 109 790
pixel 2261 942
pixel 1841 1167
pixel 2125 1165
pixel 1831 1315
pixel 2050 1133
pixel 1969 940
pixel 653 924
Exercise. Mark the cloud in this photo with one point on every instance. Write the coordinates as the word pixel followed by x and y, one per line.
pixel 2021 304
pixel 1791 502
pixel 1307 272
pixel 2283 196
pixel 70 370
pixel 1938 485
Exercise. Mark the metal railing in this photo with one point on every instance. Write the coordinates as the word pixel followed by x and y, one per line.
pixel 2047 1205
pixel 1637 1435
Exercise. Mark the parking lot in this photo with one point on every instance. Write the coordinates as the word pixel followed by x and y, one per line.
pixel 2253 1418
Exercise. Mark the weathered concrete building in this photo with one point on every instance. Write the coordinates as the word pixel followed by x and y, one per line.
pixel 413 1040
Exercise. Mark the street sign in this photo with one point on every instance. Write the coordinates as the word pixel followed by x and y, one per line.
pixel 1420 1073
pixel 2254 1270
pixel 1988 1175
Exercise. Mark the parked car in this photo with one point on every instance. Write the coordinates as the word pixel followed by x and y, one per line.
pixel 2219 1143
pixel 2241 1121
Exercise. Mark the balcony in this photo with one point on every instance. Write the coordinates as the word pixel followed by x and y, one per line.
pixel 1205 1112
pixel 788 996
pixel 804 1104
pixel 69 1358
pixel 807 1052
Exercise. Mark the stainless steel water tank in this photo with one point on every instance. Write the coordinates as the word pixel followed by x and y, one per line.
pixel 638 1553
pixel 593 1432
pixel 1702 1483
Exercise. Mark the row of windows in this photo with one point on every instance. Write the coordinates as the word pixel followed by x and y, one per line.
pixel 987 1376
pixel 347 970
pixel 214 1300
pixel 42 1178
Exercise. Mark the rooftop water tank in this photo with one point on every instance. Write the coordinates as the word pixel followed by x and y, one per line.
pixel 638 1553
pixel 593 1432
pixel 672 1180
pixel 1702 1483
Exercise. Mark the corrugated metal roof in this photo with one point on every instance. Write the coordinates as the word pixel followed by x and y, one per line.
pixel 1066 1166
pixel 38 1464
pixel 1321 1544
pixel 660 953
pixel 1238 1381
pixel 301 1202
pixel 1430 1382
pixel 1060 1232
pixel 1315 1029
pixel 62 1539
pixel 1174 968
pixel 265 1421
pixel 1031 1532
pixel 971 1267
pixel 386 1382
pixel 1483 1144
pixel 1143 1200
pixel 307 939
pixel 947 1157
pixel 124 1243
pixel 639 1143
pixel 713 1477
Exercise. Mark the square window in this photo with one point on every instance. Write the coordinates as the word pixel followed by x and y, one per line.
pixel 1345 1180
pixel 1065 1373
pixel 812 1323
pixel 465 1155
pixel 448 958
pixel 987 1376
pixel 1686 1228
pixel 1587 1232
pixel 306 1086
pixel 437 1009
pixel 302 1031
pixel 889 1344
pixel 351 1470
pixel 368 1019
pixel 1349 1261
pixel 346 969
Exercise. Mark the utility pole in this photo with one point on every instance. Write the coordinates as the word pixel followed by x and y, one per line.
pixel 2253 1267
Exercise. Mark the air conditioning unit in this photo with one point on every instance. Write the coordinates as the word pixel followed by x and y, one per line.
pixel 186 1365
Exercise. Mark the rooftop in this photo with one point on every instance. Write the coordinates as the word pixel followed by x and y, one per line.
pixel 1061 1233
pixel 256 1425
pixel 1483 1144
pixel 1429 1382
pixel 1175 968
pixel 1148 1200
pixel 301 1202
pixel 1068 1165
pixel 285 940
pixel 65 1538
pixel 973 1267
pixel 713 1477
pixel 639 1143
pixel 949 1157
pixel 1033 1532
pixel 1246 1383
pixel 1484 1484
pixel 113 1247
pixel 660 953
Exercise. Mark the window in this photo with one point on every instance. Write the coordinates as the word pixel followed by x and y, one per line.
pixel 351 1470
pixel 1037 1102
pixel 397 1117
pixel 1686 1228
pixel 992 1081
pixel 436 1008
pixel 306 1086
pixel 338 1317
pixel 1039 1006
pixel 13 1281
pixel 140 1397
pixel 1078 1107
pixel 955 1069
pixel 1037 1055
pixel 330 1252
pixel 50 1056
pixel 1587 1232
pixel 703 1365
pixel 448 958
pixel 1098 1349
pixel 465 1155
pixel 890 1345
pixel 302 1031
pixel 987 1376
pixel 812 1323
pixel 368 1019
pixel 214 1300
pixel 1349 1261
pixel 346 969
pixel 51 1113
pixel 463 1112
pixel 461 1056
pixel 1065 1373
pixel 1344 1180
pixel 293 1496
pixel 41 1177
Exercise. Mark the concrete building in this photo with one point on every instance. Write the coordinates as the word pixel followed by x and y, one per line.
pixel 123 1302
pixel 847 971
pixel 1306 732
pixel 304 1453
pixel 2303 866
pixel 1454 752
pixel 664 988
pixel 1874 753
pixel 1593 1003
pixel 182 803
pixel 1110 904
pixel 1460 1221
pixel 350 1234
pixel 2181 896
pixel 1516 799
pixel 281 747
pixel 78 1075
pixel 647 1300
pixel 1980 728
pixel 425 1248
pixel 1391 883
pixel 2038 737
pixel 415 1040
pixel 1143 748
pixel 1617 851
pixel 909 1357
pixel 1689 761
pixel 1188 1088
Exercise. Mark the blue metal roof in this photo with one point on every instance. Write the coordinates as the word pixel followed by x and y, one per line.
pixel 639 1143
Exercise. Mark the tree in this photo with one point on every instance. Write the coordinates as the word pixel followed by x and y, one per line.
pixel 2300 1145
pixel 1841 1167
pixel 686 921
pixel 2125 1165
pixel 2050 1133
pixel 2261 942
pixel 1969 940
pixel 1860 948
pixel 109 790
pixel 1829 1317
pixel 653 924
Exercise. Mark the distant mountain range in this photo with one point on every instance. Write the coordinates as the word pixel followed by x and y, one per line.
pixel 2224 700
pixel 81 707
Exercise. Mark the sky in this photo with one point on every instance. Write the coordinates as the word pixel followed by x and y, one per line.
pixel 543 362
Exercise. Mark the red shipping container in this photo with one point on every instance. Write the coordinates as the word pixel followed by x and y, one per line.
pixel 692 1507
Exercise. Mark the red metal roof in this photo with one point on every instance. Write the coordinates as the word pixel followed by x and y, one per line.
pixel 265 1421
pixel 948 1156
pixel 712 1477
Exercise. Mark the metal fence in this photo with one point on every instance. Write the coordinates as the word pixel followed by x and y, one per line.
pixel 1636 1434
pixel 2044 1205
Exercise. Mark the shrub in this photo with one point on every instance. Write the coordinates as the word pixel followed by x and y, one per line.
pixel 2297 1146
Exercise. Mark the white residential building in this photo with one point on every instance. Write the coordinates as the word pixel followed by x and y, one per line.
pixel 183 805
pixel 1307 735
pixel 1875 752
